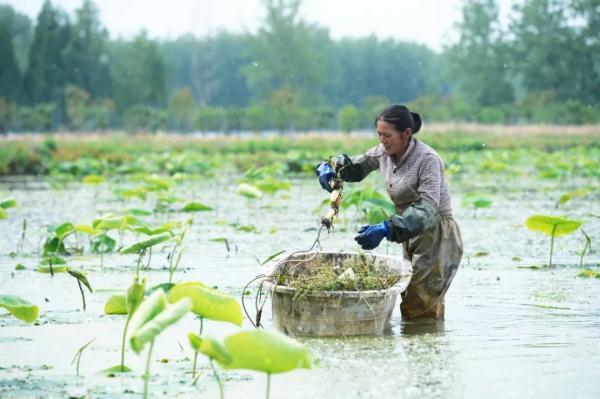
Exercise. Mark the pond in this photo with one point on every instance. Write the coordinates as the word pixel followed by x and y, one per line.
pixel 510 330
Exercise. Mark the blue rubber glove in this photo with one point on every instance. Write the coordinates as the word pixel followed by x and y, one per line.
pixel 370 236
pixel 325 173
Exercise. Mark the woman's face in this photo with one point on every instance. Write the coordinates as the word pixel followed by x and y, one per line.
pixel 393 141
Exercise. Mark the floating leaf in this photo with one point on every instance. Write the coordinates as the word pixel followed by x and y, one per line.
pixel 208 302
pixel 145 244
pixel 19 308
pixel 588 273
pixel 139 212
pixel 3 213
pixel 55 269
pixel 111 371
pixel 545 224
pixel 210 347
pixel 154 326
pixel 55 260
pixel 249 191
pixel 19 267
pixel 267 351
pixel 196 207
pixel 8 203
pixel 94 179
pixel 116 304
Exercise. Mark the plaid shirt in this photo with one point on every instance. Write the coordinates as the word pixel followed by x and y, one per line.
pixel 418 174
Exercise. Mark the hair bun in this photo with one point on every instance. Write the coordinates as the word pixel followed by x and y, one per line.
pixel 417 119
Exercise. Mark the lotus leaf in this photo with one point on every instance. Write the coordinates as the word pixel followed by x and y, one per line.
pixel 19 308
pixel 116 304
pixel 546 224
pixel 144 244
pixel 154 326
pixel 267 351
pixel 208 302
pixel 210 347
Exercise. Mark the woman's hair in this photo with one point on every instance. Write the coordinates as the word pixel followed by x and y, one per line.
pixel 400 117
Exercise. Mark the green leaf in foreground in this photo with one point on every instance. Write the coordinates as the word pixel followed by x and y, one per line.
pixel 116 304
pixel 552 225
pixel 162 319
pixel 267 351
pixel 249 191
pixel 19 308
pixel 208 302
pixel 210 347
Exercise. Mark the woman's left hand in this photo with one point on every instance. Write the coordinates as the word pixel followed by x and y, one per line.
pixel 370 236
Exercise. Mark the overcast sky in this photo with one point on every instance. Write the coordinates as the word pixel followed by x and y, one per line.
pixel 429 22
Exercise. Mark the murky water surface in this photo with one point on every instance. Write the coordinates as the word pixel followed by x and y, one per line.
pixel 509 331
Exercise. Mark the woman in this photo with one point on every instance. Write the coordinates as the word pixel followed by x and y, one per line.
pixel 414 179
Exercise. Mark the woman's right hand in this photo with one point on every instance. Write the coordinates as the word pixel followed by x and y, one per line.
pixel 325 173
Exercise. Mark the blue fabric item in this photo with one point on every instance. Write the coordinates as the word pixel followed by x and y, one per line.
pixel 326 174
pixel 370 235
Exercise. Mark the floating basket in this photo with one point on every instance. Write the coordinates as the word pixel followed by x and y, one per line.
pixel 331 313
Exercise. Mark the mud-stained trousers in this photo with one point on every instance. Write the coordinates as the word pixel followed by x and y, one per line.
pixel 435 256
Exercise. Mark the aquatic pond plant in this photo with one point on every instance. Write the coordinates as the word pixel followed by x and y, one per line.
pixel 207 303
pixel 214 350
pixel 20 308
pixel 151 318
pixel 552 226
pixel 5 204
pixel 269 352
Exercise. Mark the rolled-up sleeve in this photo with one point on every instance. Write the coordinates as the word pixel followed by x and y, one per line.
pixel 430 175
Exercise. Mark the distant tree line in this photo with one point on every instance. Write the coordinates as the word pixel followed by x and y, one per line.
pixel 66 72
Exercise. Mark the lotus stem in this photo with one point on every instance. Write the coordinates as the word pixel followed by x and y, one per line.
pixel 123 341
pixel 196 353
pixel 268 384
pixel 552 244
pixel 147 372
pixel 149 258
pixel 82 293
pixel 139 261
pixel 585 247
pixel 217 377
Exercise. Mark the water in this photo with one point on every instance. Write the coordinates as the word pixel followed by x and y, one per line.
pixel 509 331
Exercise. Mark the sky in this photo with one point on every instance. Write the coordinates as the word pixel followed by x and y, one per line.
pixel 430 22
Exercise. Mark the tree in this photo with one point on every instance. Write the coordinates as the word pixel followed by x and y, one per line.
pixel 284 57
pixel 45 77
pixel 478 62
pixel 86 55
pixel 20 30
pixel 549 55
pixel 348 118
pixel 10 79
pixel 181 108
pixel 139 73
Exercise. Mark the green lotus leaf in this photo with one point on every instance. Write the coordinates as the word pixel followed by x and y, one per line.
pixel 267 351
pixel 81 277
pixel 94 179
pixel 389 207
pixel 545 224
pixel 3 213
pixel 144 244
pixel 135 295
pixel 148 309
pixel 19 308
pixel 55 269
pixel 249 191
pixel 63 230
pixel 111 371
pixel 196 207
pixel 149 330
pixel 208 302
pixel 210 347
pixel 84 228
pixel 55 260
pixel 8 203
pixel 116 304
